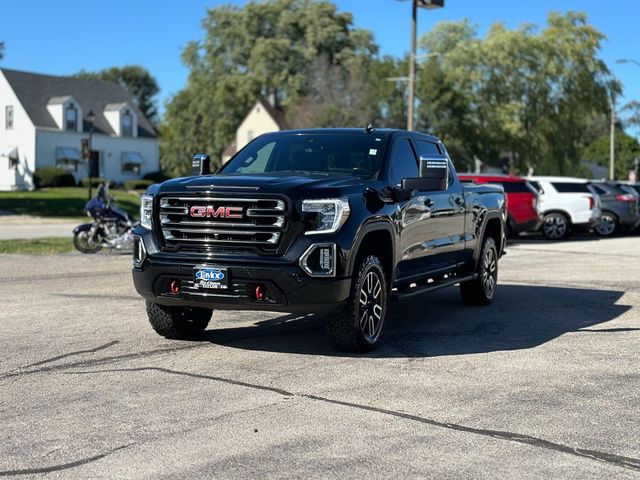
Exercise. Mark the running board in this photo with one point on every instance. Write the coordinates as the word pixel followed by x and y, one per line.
pixel 430 287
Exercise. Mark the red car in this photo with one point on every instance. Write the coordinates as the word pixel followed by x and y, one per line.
pixel 522 200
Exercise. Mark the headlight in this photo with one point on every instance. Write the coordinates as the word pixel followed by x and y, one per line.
pixel 330 214
pixel 146 211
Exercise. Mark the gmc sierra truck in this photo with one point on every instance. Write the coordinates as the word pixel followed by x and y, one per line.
pixel 329 221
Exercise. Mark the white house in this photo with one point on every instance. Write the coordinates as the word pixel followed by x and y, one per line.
pixel 43 120
pixel 264 117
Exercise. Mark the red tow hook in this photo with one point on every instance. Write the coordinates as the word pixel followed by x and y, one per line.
pixel 260 293
pixel 174 286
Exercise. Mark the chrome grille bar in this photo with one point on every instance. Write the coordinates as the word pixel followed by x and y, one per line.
pixel 262 223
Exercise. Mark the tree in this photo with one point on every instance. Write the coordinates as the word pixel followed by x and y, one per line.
pixel 140 84
pixel 627 149
pixel 529 94
pixel 1 50
pixel 280 47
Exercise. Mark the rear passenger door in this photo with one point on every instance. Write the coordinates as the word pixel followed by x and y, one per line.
pixel 446 224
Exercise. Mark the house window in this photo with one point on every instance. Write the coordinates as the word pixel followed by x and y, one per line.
pixel 71 118
pixel 127 124
pixel 131 163
pixel 8 117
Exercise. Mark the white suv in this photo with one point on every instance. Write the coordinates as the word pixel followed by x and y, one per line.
pixel 565 204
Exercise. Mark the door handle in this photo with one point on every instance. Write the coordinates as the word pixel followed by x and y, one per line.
pixel 428 203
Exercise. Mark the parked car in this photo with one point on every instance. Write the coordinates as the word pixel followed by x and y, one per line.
pixel 333 221
pixel 522 201
pixel 633 188
pixel 619 209
pixel 566 204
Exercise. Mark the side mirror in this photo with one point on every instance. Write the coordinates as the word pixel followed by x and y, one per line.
pixel 435 168
pixel 201 164
pixel 424 184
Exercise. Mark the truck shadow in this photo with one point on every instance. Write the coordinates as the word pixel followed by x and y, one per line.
pixel 521 317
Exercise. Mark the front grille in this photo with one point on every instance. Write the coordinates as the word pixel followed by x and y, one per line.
pixel 254 222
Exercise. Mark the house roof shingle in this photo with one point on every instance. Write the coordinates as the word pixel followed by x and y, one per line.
pixel 35 91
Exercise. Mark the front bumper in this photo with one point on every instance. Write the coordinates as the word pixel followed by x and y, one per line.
pixel 288 287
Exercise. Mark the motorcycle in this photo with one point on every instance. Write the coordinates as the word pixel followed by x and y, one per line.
pixel 111 227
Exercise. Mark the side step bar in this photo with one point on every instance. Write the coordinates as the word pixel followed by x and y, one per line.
pixel 430 287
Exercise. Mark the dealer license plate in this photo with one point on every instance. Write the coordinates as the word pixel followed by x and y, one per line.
pixel 210 278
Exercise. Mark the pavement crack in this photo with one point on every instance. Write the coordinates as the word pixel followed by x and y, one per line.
pixel 194 375
pixel 610 458
pixel 63 466
pixel 102 361
pixel 71 354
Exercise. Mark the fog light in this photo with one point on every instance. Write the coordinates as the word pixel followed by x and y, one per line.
pixel 319 260
pixel 139 251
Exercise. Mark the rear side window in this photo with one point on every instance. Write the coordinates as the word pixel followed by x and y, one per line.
pixel 427 148
pixel 537 187
pixel 599 190
pixel 403 162
pixel 515 187
pixel 570 187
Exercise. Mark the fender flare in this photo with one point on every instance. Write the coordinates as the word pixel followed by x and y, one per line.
pixel 372 226
pixel 490 216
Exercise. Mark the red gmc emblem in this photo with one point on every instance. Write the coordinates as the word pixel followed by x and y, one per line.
pixel 215 212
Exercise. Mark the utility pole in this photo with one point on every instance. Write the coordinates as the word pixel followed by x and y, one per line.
pixel 428 4
pixel 612 139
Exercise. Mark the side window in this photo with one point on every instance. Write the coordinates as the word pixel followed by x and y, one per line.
pixel 428 148
pixel 403 162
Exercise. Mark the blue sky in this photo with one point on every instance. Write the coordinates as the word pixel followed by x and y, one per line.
pixel 62 37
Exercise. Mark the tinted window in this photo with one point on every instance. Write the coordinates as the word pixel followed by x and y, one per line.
pixel 427 148
pixel 333 154
pixel 403 162
pixel 599 190
pixel 569 187
pixel 536 186
pixel 515 187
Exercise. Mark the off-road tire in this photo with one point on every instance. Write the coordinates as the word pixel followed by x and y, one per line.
pixel 479 291
pixel 178 322
pixel 348 328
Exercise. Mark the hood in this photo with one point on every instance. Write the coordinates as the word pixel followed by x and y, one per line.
pixel 284 183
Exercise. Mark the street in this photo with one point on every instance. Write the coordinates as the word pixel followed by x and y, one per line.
pixel 544 383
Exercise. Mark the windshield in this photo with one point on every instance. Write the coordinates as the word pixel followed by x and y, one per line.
pixel 357 154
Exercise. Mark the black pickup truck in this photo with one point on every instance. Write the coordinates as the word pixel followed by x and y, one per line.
pixel 331 221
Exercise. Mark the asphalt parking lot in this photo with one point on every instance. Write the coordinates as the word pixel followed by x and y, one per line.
pixel 544 383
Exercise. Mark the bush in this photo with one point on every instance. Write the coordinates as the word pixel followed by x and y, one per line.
pixel 53 177
pixel 141 184
pixel 156 177
pixel 95 182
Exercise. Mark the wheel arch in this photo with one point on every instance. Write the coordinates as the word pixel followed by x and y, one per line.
pixel 377 238
pixel 495 228
pixel 560 211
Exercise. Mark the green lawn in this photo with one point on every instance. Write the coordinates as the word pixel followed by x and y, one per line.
pixel 37 246
pixel 61 202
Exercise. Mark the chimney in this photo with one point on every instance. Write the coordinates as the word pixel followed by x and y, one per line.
pixel 273 99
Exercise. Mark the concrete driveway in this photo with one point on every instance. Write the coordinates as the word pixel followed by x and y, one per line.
pixel 542 384
pixel 25 226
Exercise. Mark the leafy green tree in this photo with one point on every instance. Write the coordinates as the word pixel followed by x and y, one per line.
pixel 140 84
pixel 627 149
pixel 279 47
pixel 526 93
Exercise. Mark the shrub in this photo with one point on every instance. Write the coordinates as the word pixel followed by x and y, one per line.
pixel 95 181
pixel 53 177
pixel 141 184
pixel 156 177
